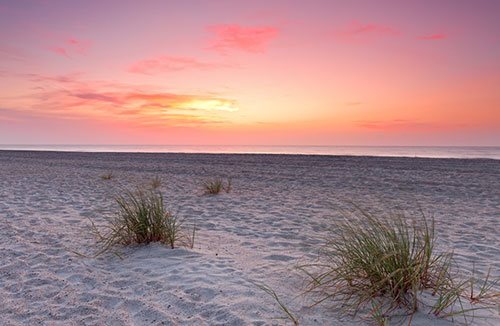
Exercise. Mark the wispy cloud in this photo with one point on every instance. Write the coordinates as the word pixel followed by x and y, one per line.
pixel 353 103
pixel 432 37
pixel 70 78
pixel 70 47
pixel 359 31
pixel 165 63
pixel 98 97
pixel 242 38
pixel 6 116
pixel 393 125
pixel 59 50
pixel 70 97
pixel 12 53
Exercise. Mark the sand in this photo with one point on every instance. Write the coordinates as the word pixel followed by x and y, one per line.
pixel 273 219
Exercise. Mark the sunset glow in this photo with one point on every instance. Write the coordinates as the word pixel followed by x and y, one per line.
pixel 250 72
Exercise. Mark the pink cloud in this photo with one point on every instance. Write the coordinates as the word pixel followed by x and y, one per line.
pixel 353 103
pixel 12 53
pixel 356 31
pixel 396 124
pixel 433 37
pixel 59 50
pixel 169 63
pixel 70 47
pixel 69 97
pixel 7 116
pixel 98 97
pixel 70 78
pixel 79 46
pixel 236 37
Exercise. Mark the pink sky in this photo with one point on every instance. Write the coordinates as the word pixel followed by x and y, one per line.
pixel 250 72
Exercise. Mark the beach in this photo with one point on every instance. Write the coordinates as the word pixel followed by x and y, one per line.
pixel 275 217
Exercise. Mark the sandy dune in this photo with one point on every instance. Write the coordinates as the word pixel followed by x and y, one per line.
pixel 273 218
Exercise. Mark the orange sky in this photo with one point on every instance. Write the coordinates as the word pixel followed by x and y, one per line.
pixel 250 72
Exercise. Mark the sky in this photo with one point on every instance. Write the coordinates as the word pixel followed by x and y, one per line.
pixel 260 72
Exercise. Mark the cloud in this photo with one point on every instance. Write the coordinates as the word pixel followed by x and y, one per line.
pixel 353 103
pixel 70 97
pixel 183 101
pixel 80 46
pixel 392 125
pixel 97 97
pixel 70 78
pixel 12 53
pixel 358 31
pixel 235 37
pixel 70 47
pixel 6 116
pixel 165 63
pixel 59 50
pixel 433 37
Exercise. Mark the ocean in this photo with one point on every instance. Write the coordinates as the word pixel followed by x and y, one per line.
pixel 491 152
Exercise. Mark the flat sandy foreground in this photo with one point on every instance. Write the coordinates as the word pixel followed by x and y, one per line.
pixel 273 219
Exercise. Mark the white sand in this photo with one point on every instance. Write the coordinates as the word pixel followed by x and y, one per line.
pixel 272 220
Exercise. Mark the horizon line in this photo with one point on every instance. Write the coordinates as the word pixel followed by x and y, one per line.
pixel 247 145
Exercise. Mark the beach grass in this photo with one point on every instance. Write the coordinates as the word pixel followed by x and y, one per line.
pixel 156 182
pixel 284 308
pixel 107 176
pixel 229 185
pixel 385 261
pixel 141 219
pixel 214 186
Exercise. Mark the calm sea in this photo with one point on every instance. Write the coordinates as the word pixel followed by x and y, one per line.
pixel 402 151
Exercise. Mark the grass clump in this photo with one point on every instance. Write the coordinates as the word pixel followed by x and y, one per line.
pixel 215 185
pixel 141 219
pixel 383 263
pixel 107 176
pixel 155 182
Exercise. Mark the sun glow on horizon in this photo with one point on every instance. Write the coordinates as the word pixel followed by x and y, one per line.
pixel 210 105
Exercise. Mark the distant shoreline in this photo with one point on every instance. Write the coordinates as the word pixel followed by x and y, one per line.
pixel 336 155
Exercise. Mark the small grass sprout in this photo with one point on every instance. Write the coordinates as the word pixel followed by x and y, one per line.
pixel 107 176
pixel 155 182
pixel 214 186
pixel 280 303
